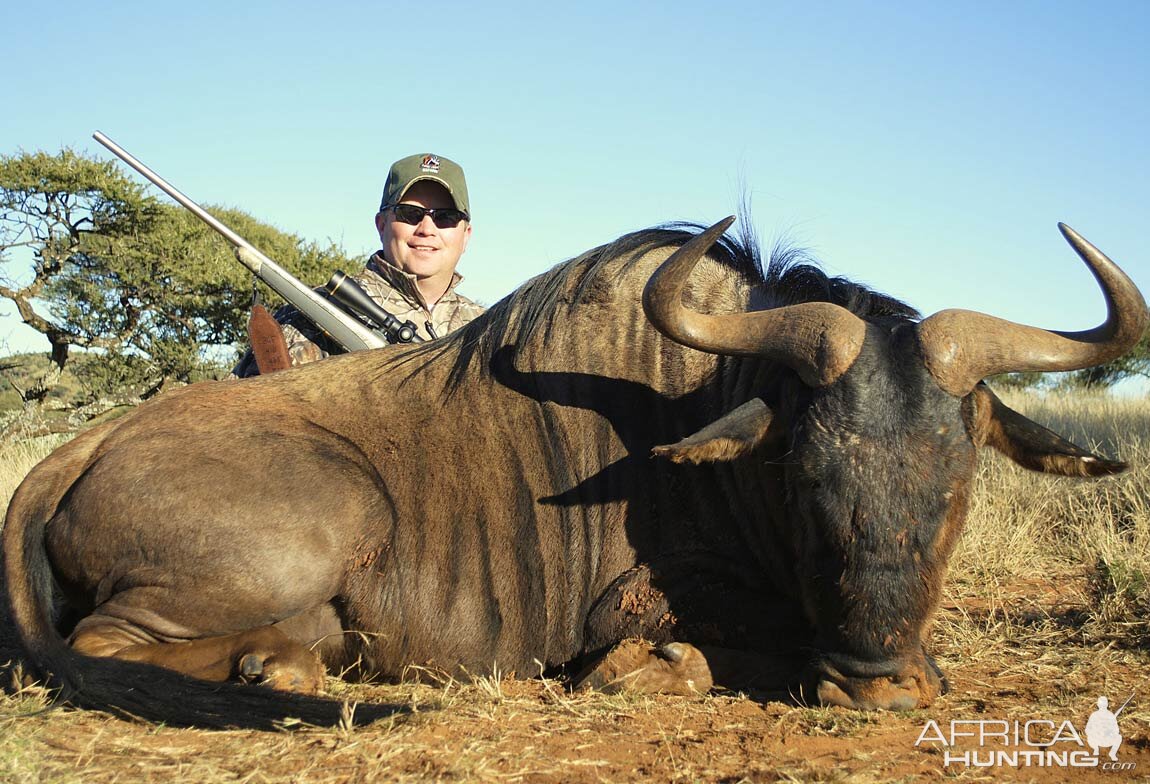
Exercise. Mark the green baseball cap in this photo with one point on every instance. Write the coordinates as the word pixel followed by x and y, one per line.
pixel 407 171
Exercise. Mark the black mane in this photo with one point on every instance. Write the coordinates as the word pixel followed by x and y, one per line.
pixel 790 276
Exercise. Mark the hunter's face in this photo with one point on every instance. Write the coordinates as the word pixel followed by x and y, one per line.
pixel 425 250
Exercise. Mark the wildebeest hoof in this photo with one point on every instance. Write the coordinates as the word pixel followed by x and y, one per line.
pixel 251 668
pixel 301 674
pixel 639 666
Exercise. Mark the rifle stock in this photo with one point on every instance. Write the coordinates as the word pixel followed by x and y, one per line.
pixel 343 328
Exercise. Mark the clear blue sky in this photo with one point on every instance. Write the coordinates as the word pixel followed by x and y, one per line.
pixel 925 148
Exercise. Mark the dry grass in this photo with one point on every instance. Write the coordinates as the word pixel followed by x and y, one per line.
pixel 1026 526
pixel 1046 607
pixel 18 459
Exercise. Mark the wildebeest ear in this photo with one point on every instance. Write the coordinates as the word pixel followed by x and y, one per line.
pixel 1030 444
pixel 726 438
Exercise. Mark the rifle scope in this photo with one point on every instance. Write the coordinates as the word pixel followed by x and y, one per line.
pixel 350 294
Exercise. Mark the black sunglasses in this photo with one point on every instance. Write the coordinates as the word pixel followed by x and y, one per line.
pixel 443 217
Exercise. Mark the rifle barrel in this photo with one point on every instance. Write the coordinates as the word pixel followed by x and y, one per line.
pixel 346 331
pixel 235 239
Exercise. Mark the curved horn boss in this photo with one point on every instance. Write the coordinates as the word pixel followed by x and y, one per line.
pixel 819 340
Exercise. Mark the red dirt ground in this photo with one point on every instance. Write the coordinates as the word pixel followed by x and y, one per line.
pixel 1028 663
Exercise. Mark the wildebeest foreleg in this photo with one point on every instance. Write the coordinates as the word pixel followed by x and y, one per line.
pixel 741 637
pixel 264 655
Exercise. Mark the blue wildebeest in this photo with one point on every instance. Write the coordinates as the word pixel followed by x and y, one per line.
pixel 768 461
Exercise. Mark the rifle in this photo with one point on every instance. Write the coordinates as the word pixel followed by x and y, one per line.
pixel 354 331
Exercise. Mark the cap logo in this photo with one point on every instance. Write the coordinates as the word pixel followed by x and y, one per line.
pixel 429 164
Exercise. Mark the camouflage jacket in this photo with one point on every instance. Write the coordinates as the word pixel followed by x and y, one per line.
pixel 396 292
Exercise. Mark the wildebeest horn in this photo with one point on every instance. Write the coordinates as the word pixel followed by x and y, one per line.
pixel 820 341
pixel 962 347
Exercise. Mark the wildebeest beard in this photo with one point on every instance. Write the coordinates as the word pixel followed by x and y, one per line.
pixel 555 477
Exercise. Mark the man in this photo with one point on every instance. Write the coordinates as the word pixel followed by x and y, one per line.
pixel 424 224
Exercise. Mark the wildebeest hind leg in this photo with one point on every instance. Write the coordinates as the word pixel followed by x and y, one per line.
pixel 264 655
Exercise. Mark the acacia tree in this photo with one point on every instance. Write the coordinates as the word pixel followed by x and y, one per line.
pixel 174 296
pixel 91 261
pixel 48 204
